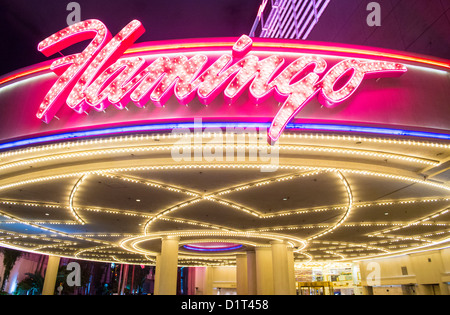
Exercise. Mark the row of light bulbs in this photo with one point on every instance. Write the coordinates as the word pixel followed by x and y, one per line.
pixel 209 148
pixel 176 135
pixel 293 212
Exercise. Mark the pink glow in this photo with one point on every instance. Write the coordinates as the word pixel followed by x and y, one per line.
pixel 213 245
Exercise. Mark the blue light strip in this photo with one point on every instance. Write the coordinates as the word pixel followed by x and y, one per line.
pixel 212 249
pixel 371 130
pixel 193 125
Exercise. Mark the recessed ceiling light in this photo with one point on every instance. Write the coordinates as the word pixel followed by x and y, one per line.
pixel 138 200
pixel 47 214
pixel 386 213
pixel 285 198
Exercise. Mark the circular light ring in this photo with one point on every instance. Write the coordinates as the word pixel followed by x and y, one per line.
pixel 211 244
pixel 132 244
pixel 230 242
pixel 213 249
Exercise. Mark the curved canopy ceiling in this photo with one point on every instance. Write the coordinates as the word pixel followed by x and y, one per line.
pixel 330 197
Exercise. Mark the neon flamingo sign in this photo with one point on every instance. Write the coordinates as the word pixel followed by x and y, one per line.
pixel 99 77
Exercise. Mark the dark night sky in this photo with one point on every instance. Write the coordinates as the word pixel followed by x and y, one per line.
pixel 24 23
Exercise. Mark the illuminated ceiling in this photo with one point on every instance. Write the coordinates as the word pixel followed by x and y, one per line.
pixel 332 197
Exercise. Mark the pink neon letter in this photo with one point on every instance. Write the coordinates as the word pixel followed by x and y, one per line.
pixel 357 70
pixel 298 94
pixel 108 55
pixel 71 67
pixel 96 77
pixel 156 82
pixel 111 84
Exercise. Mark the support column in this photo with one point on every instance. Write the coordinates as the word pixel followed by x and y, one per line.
pixel 208 281
pixel 291 270
pixel 251 273
pixel 241 274
pixel 157 275
pixel 168 267
pixel 50 275
pixel 264 271
pixel 280 268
